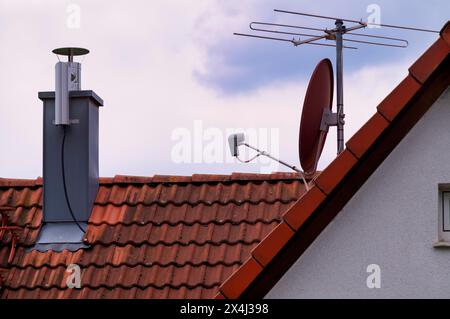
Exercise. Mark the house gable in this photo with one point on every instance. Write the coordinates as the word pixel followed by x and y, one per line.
pixel 391 221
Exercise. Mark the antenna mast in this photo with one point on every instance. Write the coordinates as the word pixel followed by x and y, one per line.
pixel 337 35
pixel 340 30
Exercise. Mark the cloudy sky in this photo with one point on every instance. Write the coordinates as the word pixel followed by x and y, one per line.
pixel 174 77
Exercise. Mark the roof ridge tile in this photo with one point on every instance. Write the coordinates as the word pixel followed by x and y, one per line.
pixel 272 243
pixel 445 32
pixel 18 182
pixel 131 179
pixel 364 138
pixel 429 61
pixel 335 171
pixel 305 206
pixel 396 101
pixel 238 281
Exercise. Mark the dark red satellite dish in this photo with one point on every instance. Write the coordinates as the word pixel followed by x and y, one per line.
pixel 318 98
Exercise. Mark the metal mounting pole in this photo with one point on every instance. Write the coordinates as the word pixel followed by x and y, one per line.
pixel 340 29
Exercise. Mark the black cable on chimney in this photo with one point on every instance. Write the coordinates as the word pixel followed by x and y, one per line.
pixel 64 180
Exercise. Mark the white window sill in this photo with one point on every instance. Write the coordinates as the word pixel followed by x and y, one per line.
pixel 441 244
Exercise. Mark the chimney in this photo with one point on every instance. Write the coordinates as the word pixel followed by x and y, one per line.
pixel 70 163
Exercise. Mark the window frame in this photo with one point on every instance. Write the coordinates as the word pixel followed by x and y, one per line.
pixel 443 216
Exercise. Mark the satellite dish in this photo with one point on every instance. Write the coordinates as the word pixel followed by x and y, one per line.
pixel 316 106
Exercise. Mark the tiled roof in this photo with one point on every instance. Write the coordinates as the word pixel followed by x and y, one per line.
pixel 428 77
pixel 155 237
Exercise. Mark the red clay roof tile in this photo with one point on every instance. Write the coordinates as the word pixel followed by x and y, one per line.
pixel 301 210
pixel 11 182
pixel 391 106
pixel 445 32
pixel 123 179
pixel 272 243
pixel 240 279
pixel 171 179
pixel 107 293
pixel 220 296
pixel 179 255
pixel 367 135
pixel 140 276
pixel 159 237
pixel 203 178
pixel 429 61
pixel 333 174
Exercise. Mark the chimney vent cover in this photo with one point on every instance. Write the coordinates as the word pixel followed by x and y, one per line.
pixel 70 51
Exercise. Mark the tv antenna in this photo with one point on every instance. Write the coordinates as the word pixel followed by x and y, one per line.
pixel 306 35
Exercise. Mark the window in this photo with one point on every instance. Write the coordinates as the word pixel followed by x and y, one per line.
pixel 445 198
pixel 444 216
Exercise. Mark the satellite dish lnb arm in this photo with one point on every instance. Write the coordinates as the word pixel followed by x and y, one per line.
pixel 235 140
pixel 264 153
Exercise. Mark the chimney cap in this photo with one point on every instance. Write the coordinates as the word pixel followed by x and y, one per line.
pixel 70 52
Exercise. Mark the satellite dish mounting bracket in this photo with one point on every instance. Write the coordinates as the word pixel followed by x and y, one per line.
pixel 330 119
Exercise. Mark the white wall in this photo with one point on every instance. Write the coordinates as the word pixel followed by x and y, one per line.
pixel 391 221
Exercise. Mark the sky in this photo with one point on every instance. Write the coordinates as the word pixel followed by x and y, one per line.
pixel 176 81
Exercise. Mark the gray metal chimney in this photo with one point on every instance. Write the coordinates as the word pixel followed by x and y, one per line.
pixel 70 164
